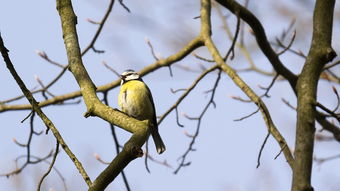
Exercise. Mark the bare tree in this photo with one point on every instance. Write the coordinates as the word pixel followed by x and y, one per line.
pixel 318 65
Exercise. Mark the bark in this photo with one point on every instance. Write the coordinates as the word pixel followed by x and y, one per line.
pixel 320 53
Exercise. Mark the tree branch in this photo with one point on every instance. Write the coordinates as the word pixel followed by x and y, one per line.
pixel 205 33
pixel 320 53
pixel 36 108
pixel 264 45
pixel 187 91
pixel 101 25
pixel 261 38
pixel 192 45
pixel 131 149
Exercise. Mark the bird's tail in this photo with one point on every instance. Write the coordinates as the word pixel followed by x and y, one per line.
pixel 160 147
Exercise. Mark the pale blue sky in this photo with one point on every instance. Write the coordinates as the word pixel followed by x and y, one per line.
pixel 226 155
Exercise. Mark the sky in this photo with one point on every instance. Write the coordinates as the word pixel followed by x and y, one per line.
pixel 226 151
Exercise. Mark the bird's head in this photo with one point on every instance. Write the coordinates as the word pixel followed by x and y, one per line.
pixel 129 75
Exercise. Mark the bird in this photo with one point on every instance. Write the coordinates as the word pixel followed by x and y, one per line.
pixel 135 99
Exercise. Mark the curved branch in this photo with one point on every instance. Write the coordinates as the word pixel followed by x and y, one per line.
pixel 101 25
pixel 264 45
pixel 50 167
pixel 187 91
pixel 132 149
pixel 192 45
pixel 205 33
pixel 62 72
pixel 183 158
pixel 261 38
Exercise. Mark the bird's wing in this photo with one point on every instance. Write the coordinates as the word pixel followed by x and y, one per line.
pixel 154 118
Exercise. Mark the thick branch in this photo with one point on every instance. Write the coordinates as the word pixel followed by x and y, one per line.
pixel 320 53
pixel 120 161
pixel 267 50
pixel 94 106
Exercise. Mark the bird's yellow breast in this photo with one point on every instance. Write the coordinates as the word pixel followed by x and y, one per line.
pixel 135 100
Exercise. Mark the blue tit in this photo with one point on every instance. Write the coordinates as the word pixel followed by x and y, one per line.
pixel 135 100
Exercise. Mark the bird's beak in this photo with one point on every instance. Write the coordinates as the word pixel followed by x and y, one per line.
pixel 122 77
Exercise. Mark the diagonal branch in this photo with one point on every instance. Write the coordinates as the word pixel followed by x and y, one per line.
pixel 37 109
pixel 101 25
pixel 192 45
pixel 183 158
pixel 187 91
pixel 261 38
pixel 205 33
pixel 95 107
pixel 50 167
pixel 62 72
pixel 132 149
pixel 268 51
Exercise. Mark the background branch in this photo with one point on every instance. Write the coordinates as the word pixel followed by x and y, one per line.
pixel 205 32
pixel 36 108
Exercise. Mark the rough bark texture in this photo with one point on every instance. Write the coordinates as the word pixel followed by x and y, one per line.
pixel 94 106
pixel 320 53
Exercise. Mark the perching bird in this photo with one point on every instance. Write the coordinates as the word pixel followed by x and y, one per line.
pixel 135 100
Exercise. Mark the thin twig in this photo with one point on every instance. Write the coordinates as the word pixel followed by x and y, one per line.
pixel 177 90
pixel 231 49
pixel 37 109
pixel 20 169
pixel 124 6
pixel 280 151
pixel 44 90
pixel 326 159
pixel 261 38
pixel 288 104
pixel 99 30
pixel 202 58
pixel 245 117
pixel 331 113
pixel 269 87
pixel 262 147
pixel 146 157
pixel 186 50
pixel 64 68
pixel 170 71
pixel 287 47
pixel 43 55
pixel 327 67
pixel 188 90
pixel 111 69
pixel 177 118
pixel 338 99
pixel 22 121
pixel 163 163
pixel 183 157
pixel 51 166
pixel 151 49
pixel 99 159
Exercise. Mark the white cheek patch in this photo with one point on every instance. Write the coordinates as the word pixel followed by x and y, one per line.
pixel 133 76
